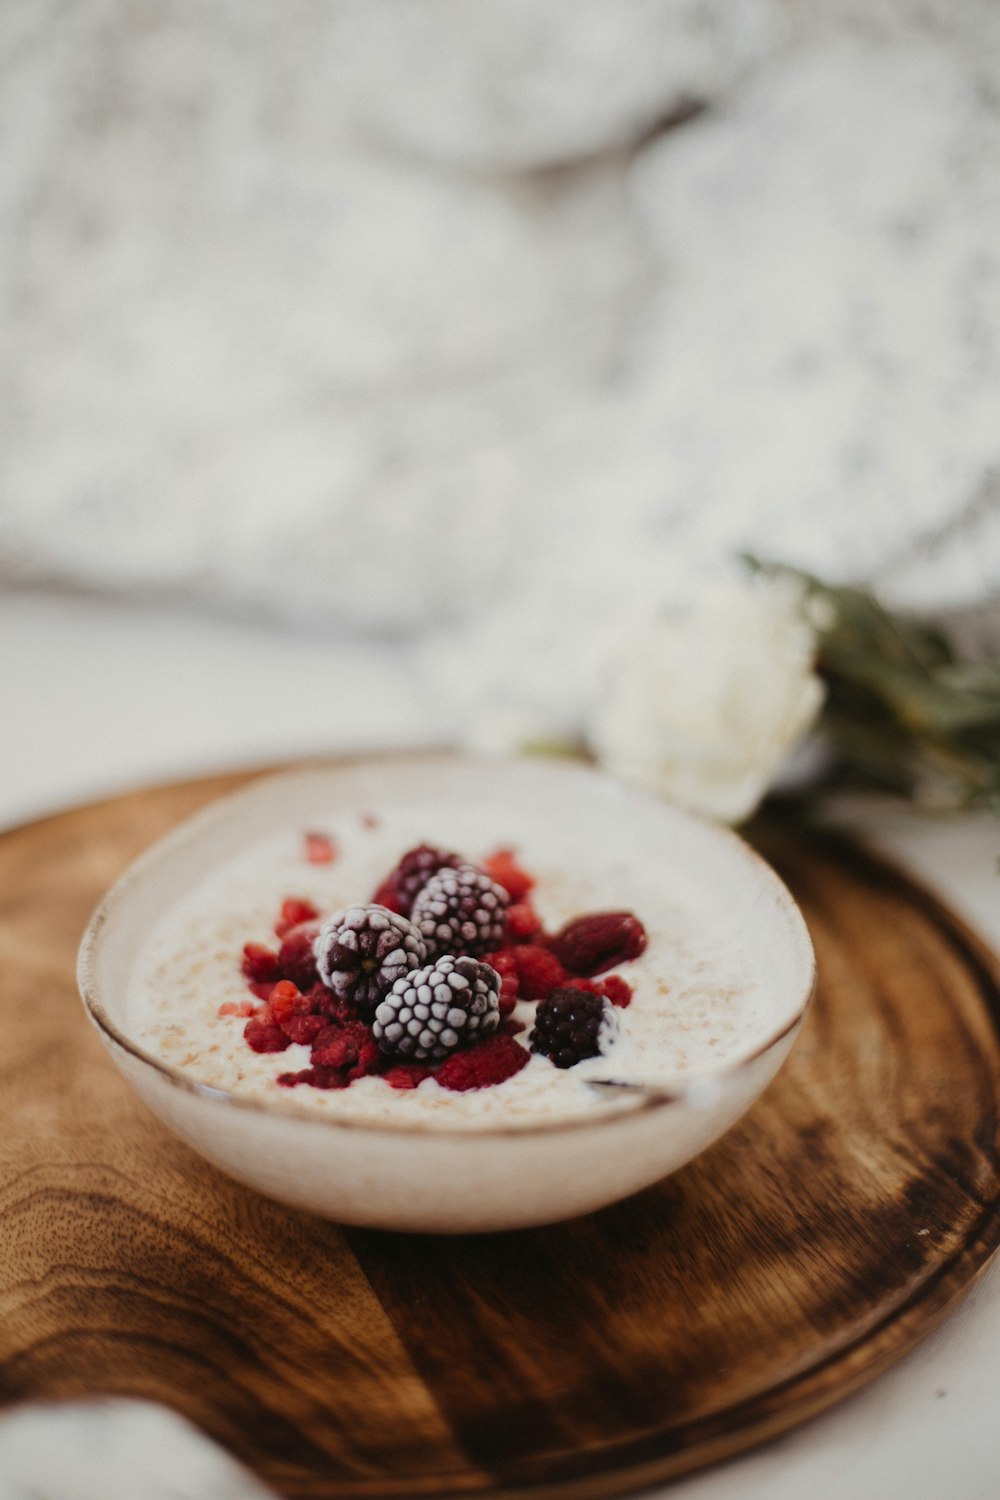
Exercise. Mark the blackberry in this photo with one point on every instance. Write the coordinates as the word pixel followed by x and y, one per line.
pixel 461 911
pixel 415 869
pixel 568 1026
pixel 448 1004
pixel 362 950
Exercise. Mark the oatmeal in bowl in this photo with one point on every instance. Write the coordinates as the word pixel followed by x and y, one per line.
pixel 444 993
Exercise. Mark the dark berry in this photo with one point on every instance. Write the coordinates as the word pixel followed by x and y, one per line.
pixel 568 1026
pixel 460 911
pixel 431 1012
pixel 412 873
pixel 363 950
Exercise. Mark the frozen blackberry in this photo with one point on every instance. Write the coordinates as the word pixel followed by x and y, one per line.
pixel 461 911
pixel 362 950
pixel 415 869
pixel 431 1012
pixel 568 1026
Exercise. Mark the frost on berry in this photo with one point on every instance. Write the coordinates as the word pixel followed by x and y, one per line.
pixel 589 945
pixel 461 911
pixel 363 950
pixel 436 1009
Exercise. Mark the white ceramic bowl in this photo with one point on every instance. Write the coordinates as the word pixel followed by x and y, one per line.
pixel 431 1174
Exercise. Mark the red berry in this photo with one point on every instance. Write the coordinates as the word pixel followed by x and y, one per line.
pixel 348 1046
pixel 589 945
pixel 296 960
pixel 237 1008
pixel 618 991
pixel 319 1078
pixel 265 1037
pixel 406 1075
pixel 492 1062
pixel 502 867
pixel 323 1002
pixel 287 1001
pixel 509 1027
pixel 303 1029
pixel 293 911
pixel 523 922
pixel 505 963
pixel 539 971
pixel 259 964
pixel 261 991
pixel 320 849
pixel 388 896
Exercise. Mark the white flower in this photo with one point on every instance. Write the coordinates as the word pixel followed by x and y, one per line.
pixel 705 709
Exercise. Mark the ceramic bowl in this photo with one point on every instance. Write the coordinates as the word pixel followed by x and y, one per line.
pixel 433 1175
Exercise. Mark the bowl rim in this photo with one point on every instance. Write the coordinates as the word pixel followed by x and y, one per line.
pixel 636 1099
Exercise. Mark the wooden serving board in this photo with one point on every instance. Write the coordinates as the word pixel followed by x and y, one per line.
pixel 804 1253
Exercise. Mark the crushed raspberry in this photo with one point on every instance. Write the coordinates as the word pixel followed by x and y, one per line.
pixel 287 1001
pixel 261 991
pixel 264 1036
pixel 505 963
pixel 348 1046
pixel 293 912
pixel 320 849
pixel 509 1027
pixel 323 1002
pixel 617 990
pixel 589 945
pixel 259 964
pixel 502 867
pixel 492 1062
pixel 539 972
pixel 388 896
pixel 523 922
pixel 237 1008
pixel 296 960
pixel 318 1078
pixel 303 1029
pixel 406 1075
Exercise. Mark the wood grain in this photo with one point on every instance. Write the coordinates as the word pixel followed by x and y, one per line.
pixel 811 1247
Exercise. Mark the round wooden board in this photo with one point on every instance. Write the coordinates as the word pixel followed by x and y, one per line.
pixel 809 1249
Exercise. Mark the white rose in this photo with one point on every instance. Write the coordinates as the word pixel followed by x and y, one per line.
pixel 705 709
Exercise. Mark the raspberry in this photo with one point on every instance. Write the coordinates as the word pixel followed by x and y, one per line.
pixel 261 991
pixel 259 964
pixel 412 873
pixel 236 1008
pixel 502 867
pixel 509 1027
pixel 286 1001
pixel 363 950
pixel 323 1002
pixel 538 971
pixel 492 1062
pixel 523 922
pixel 505 964
pixel 319 1078
pixel 294 911
pixel 264 1036
pixel 388 896
pixel 460 911
pixel 296 959
pixel 617 990
pixel 406 1075
pixel 568 1026
pixel 589 945
pixel 434 1010
pixel 349 1047
pixel 304 1029
pixel 320 848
